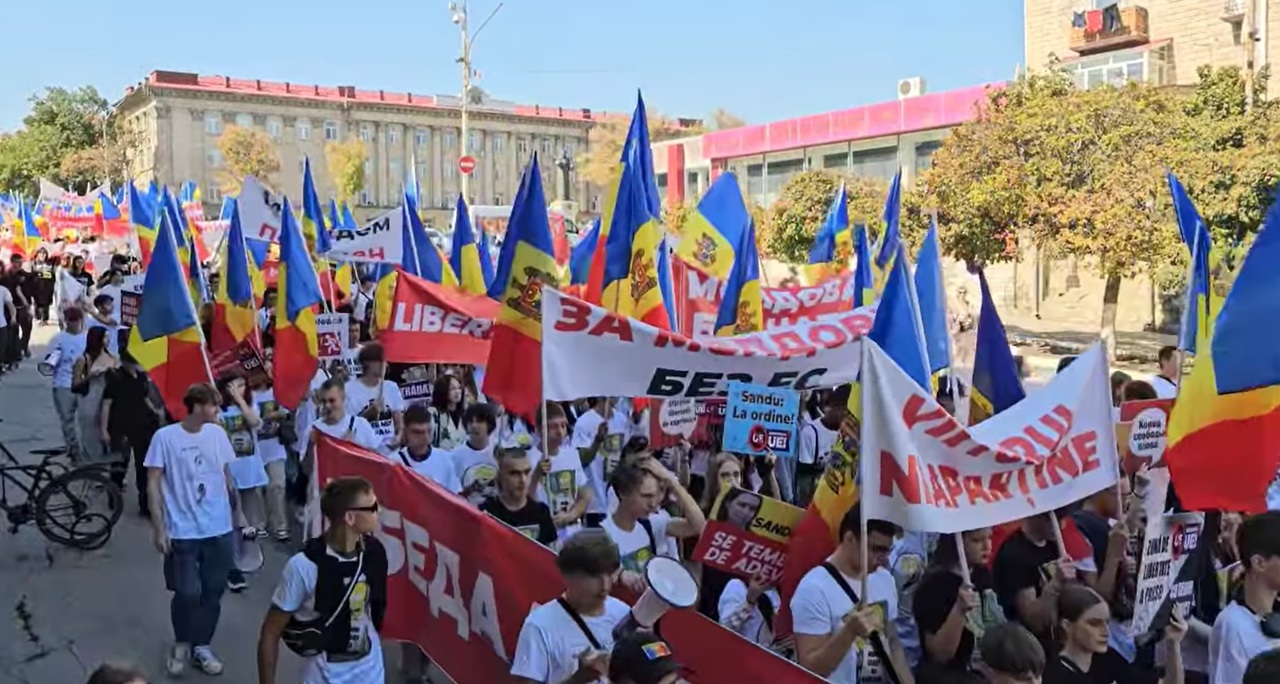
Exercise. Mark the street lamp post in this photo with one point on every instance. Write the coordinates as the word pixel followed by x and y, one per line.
pixel 459 17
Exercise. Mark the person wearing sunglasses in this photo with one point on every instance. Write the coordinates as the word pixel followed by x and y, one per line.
pixel 840 635
pixel 1249 624
pixel 332 595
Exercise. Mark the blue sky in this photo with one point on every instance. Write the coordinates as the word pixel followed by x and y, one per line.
pixel 761 60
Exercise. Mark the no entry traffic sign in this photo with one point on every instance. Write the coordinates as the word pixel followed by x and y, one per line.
pixel 466 164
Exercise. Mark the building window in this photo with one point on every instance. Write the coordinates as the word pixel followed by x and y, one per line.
pixel 213 159
pixel 303 128
pixel 422 137
pixel 366 132
pixel 880 164
pixel 924 155
pixel 547 145
pixel 275 127
pixel 475 143
pixel 213 123
pixel 499 141
pixel 244 120
pixel 1139 65
pixel 393 135
pixel 331 130
pixel 497 199
pixel 213 193
pixel 835 161
pixel 569 149
pixel 522 146
pixel 450 139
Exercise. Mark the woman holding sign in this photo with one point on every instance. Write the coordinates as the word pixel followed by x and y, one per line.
pixel 1082 628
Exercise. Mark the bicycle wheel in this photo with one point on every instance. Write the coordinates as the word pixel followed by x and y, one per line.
pixel 70 497
pixel 91 532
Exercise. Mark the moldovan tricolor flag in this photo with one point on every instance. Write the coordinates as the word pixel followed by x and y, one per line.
pixel 632 274
pixel 233 305
pixel 297 350
pixel 166 339
pixel 1225 425
pixel 465 257
pixel 513 375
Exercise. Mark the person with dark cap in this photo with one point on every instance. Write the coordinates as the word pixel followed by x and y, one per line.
pixel 644 658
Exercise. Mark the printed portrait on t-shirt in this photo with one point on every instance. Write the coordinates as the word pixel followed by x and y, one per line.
pixel 485 474
pixel 612 452
pixel 530 531
pixel 239 434
pixel 271 413
pixel 562 490
pixel 869 663
pixel 384 425
pixel 636 560
pixel 358 643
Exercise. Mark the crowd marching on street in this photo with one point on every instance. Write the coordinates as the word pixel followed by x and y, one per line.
pixel 966 531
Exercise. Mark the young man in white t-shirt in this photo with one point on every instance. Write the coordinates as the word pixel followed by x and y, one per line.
pixel 340 576
pixel 840 638
pixel 375 399
pixel 568 640
pixel 191 494
pixel 1249 624
pixel 639 526
pixel 335 422
pixel 1166 381
pixel 558 478
pixel 599 436
pixel 418 455
pixel 473 459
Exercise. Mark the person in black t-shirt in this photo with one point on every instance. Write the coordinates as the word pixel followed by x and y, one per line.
pixel 513 506
pixel 1086 658
pixel 952 616
pixel 131 419
pixel 1028 573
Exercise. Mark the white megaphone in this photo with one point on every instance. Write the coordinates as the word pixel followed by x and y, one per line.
pixel 670 586
pixel 47 366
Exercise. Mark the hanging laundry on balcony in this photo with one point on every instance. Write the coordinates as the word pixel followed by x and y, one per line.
pixel 1111 19
pixel 1077 20
pixel 1093 21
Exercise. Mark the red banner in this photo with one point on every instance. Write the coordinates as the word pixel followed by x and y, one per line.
pixel 698 299
pixel 434 324
pixel 461 584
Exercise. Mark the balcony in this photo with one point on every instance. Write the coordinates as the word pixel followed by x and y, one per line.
pixel 1130 32
pixel 1233 11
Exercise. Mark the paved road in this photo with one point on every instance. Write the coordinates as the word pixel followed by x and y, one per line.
pixel 67 611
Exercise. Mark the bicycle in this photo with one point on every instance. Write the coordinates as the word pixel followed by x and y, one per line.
pixel 52 487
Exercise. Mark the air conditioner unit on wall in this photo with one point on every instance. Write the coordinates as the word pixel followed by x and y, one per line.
pixel 910 87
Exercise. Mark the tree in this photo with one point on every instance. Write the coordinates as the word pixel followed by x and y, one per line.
pixel 107 160
pixel 246 152
pixel 346 167
pixel 599 163
pixel 795 217
pixel 61 123
pixel 722 119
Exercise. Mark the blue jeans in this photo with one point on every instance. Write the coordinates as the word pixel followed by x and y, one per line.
pixel 195 570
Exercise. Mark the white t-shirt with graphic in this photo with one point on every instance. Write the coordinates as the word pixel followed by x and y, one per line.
pixel 476 465
pixel 558 489
pixel 633 546
pixel 584 434
pixel 818 609
pixel 1236 638
pixel 296 594
pixel 361 396
pixel 272 414
pixel 194 487
pixel 551 641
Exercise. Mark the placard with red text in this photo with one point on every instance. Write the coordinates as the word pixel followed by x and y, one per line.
pixel 747 535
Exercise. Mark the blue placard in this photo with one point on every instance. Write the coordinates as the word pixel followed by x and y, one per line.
pixel 761 419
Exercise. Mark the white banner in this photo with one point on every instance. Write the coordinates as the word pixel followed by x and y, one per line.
pixel 260 211
pixel 380 240
pixel 588 351
pixel 926 472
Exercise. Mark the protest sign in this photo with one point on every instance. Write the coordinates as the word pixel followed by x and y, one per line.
pixel 460 584
pixel 760 420
pixel 131 298
pixel 260 211
pixel 1170 564
pixel 700 295
pixel 590 351
pixel 414 380
pixel 431 323
pixel 708 424
pixel 332 335
pixel 242 360
pixel 926 472
pixel 1142 432
pixel 747 535
pixel 379 240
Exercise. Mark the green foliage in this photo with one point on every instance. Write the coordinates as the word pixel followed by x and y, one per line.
pixel 61 123
pixel 246 152
pixel 795 217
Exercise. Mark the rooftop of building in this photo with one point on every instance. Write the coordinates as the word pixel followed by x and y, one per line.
pixel 345 94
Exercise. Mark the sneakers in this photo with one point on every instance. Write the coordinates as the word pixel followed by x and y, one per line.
pixel 205 661
pixel 175 663
pixel 236 583
pixel 282 535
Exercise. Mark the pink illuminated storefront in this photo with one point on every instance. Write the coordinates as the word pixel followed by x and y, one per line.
pixel 872 140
